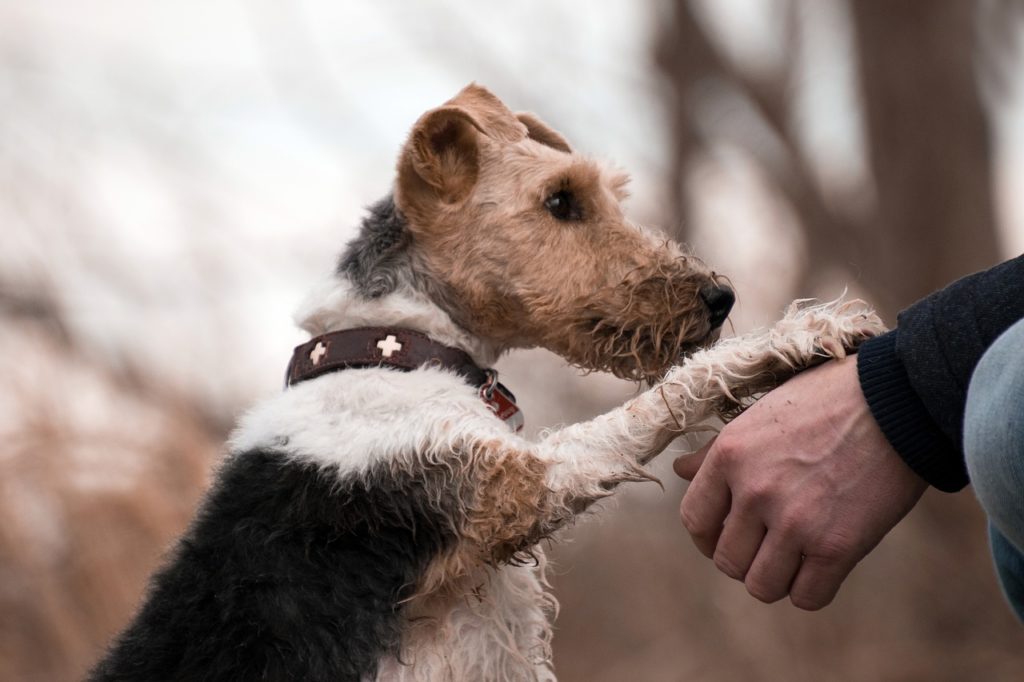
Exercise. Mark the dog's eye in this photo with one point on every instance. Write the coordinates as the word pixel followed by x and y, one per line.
pixel 563 206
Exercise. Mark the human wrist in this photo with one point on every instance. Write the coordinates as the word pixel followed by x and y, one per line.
pixel 902 416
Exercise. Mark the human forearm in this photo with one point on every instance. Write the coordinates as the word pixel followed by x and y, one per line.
pixel 915 378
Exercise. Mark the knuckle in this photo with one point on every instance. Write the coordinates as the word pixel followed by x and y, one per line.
pixel 727 566
pixel 689 518
pixel 763 592
pixel 693 521
pixel 727 448
pixel 701 535
pixel 793 523
pixel 758 493
pixel 834 550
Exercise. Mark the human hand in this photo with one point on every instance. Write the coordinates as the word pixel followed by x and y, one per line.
pixel 798 489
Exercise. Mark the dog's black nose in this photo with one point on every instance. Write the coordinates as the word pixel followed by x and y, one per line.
pixel 719 301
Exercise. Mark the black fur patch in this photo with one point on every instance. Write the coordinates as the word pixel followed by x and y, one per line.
pixel 384 257
pixel 287 573
pixel 378 259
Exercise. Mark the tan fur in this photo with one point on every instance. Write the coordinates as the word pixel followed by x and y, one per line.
pixel 510 498
pixel 599 291
pixel 502 498
pixel 537 130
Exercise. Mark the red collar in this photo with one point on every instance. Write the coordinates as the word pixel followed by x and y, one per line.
pixel 401 349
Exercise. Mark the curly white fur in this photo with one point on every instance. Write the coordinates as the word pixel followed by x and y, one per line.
pixel 492 622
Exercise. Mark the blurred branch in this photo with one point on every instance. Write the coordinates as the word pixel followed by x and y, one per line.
pixel 928 144
pixel 690 59
pixel 40 309
pixel 35 306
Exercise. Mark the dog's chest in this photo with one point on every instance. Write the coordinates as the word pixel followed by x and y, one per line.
pixel 500 631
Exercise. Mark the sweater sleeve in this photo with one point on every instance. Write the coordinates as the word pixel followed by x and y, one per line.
pixel 915 377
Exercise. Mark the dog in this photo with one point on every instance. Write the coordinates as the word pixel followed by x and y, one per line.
pixel 380 519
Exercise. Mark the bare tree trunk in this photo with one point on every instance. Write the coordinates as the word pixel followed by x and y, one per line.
pixel 929 145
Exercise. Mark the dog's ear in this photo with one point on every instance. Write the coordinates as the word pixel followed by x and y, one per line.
pixel 538 130
pixel 440 161
pixel 494 118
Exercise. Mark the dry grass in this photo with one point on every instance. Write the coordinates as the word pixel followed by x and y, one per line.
pixel 96 479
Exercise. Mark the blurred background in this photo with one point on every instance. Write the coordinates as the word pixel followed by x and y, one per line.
pixel 175 176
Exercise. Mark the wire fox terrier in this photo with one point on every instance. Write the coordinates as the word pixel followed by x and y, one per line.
pixel 379 519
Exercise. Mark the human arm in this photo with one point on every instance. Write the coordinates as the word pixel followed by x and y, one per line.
pixel 915 377
pixel 798 489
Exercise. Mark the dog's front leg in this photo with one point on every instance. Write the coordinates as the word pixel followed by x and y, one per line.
pixel 524 493
pixel 720 380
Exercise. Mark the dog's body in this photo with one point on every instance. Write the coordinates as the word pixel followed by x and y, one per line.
pixel 381 524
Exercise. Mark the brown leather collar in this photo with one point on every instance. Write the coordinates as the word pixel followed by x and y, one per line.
pixel 379 347
pixel 402 349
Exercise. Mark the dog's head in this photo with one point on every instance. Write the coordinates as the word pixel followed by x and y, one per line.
pixel 531 247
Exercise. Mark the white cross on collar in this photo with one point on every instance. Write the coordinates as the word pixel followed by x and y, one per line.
pixel 318 353
pixel 389 345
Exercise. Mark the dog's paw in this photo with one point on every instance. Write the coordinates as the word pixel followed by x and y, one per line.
pixel 809 333
pixel 725 378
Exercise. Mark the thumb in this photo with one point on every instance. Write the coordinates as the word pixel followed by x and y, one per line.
pixel 686 466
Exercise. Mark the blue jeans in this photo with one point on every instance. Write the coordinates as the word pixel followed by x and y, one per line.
pixel 994 448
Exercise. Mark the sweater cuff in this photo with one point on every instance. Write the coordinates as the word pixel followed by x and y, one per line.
pixel 903 418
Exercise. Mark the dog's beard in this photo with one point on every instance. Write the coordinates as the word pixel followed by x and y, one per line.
pixel 640 329
pixel 638 354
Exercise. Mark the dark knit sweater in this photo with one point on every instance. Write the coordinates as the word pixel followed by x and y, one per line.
pixel 915 377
